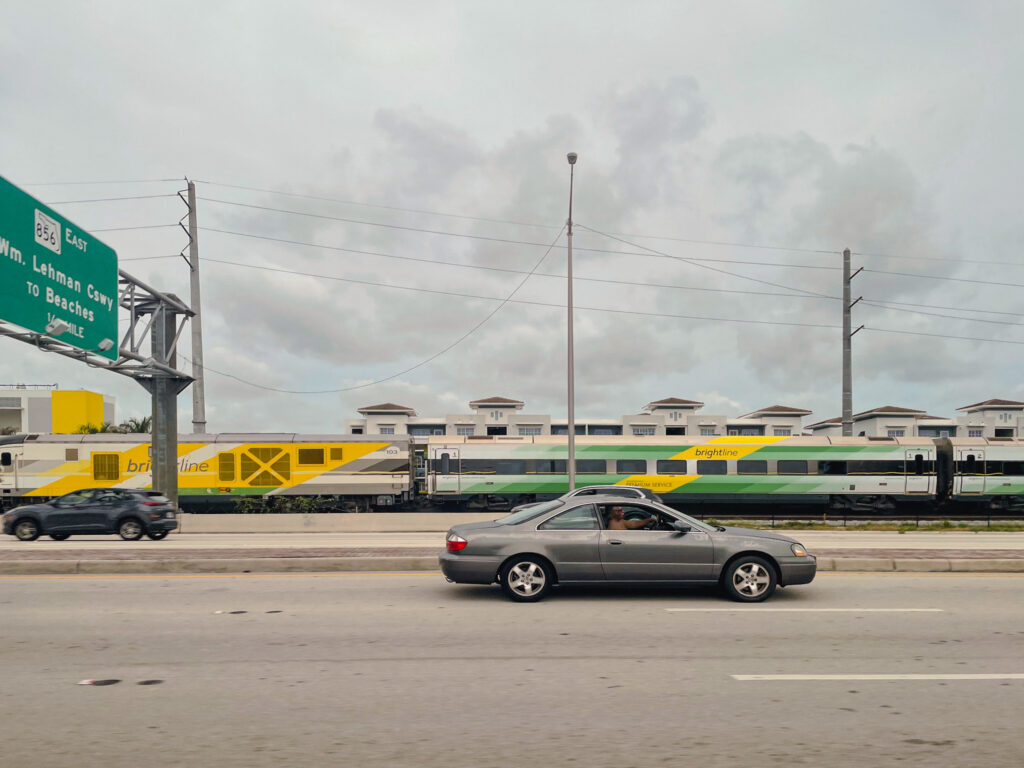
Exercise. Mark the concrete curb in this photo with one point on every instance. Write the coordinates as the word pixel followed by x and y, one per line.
pixel 409 563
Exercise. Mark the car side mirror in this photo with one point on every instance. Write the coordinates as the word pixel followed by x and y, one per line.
pixel 681 527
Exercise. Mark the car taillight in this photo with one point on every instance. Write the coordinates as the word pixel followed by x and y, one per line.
pixel 153 503
pixel 455 543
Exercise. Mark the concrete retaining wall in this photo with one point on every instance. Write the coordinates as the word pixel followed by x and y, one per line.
pixel 365 522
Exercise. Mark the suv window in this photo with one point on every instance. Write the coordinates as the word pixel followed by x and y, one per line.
pixel 71 499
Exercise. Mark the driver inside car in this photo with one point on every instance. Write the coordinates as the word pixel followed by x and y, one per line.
pixel 617 521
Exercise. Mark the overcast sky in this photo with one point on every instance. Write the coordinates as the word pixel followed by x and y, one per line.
pixel 728 152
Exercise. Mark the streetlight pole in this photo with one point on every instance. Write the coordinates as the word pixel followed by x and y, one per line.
pixel 571 157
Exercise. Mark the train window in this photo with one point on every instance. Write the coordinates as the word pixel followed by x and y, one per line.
pixel 671 466
pixel 791 467
pixel 70 454
pixel 226 467
pixel 712 467
pixel 337 454
pixel 972 466
pixel 547 467
pixel 993 468
pixel 919 464
pixel 1013 467
pixel 446 468
pixel 832 468
pixel 6 460
pixel 590 466
pixel 631 466
pixel 310 456
pixel 106 466
pixel 752 467
pixel 877 467
pixel 493 467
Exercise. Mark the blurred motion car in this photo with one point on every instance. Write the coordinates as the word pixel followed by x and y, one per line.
pixel 569 540
pixel 627 491
pixel 128 512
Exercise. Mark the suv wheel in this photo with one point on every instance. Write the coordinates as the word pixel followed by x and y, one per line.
pixel 59 536
pixel 26 530
pixel 130 529
pixel 157 535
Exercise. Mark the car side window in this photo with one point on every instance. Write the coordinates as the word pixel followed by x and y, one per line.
pixel 583 518
pixel 73 499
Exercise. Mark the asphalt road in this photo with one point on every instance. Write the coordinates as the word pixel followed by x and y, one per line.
pixel 811 539
pixel 406 670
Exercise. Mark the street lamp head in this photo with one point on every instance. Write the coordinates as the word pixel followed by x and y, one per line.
pixel 571 157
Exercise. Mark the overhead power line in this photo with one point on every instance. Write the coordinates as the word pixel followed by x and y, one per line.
pixel 695 241
pixel 509 241
pixel 420 364
pixel 495 269
pixel 86 183
pixel 942 277
pixel 111 199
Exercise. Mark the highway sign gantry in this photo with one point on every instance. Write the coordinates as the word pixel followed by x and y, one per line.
pixel 55 278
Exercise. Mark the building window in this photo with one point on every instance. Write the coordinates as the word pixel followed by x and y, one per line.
pixel 643 431
pixel 897 433
pixel 357 430
pixel 782 431
pixel 529 431
pixel 387 430
pixel 975 432
pixel 707 431
pixel 464 431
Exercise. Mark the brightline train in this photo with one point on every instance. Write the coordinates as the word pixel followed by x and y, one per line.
pixel 731 475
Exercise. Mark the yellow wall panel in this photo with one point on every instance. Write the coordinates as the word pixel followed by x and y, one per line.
pixel 71 409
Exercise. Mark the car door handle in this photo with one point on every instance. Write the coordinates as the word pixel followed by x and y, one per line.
pixel 614 541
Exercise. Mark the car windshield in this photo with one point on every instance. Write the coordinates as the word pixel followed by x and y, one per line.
pixel 530 512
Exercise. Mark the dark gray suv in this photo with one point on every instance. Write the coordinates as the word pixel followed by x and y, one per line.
pixel 128 512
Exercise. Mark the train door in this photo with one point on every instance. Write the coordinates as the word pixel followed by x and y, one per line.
pixel 444 470
pixel 918 476
pixel 970 470
pixel 8 472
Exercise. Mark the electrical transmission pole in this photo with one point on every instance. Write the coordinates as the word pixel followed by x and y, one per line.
pixel 847 344
pixel 198 386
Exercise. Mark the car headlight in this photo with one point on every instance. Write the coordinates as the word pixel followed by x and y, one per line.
pixel 798 549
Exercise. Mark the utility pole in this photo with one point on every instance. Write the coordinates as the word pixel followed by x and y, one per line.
pixel 847 346
pixel 571 463
pixel 198 385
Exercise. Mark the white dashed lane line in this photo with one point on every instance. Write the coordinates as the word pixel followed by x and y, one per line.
pixel 749 609
pixel 1012 676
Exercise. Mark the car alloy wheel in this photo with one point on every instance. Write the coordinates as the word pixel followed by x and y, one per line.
pixel 130 529
pixel 526 579
pixel 27 530
pixel 750 580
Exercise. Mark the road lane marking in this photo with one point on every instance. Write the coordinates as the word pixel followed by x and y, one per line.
pixel 807 610
pixel 1012 676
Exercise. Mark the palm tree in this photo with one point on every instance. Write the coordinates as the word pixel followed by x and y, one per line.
pixel 92 429
pixel 141 424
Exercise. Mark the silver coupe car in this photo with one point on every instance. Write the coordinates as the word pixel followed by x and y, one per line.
pixel 614 540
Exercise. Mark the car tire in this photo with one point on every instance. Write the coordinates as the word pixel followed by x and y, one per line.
pixel 157 535
pixel 526 579
pixel 26 530
pixel 130 529
pixel 59 536
pixel 749 579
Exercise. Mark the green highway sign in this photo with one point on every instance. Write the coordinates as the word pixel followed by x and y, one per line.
pixel 55 278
